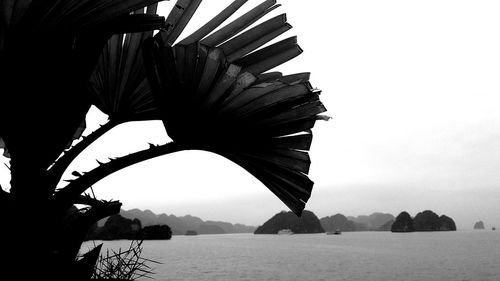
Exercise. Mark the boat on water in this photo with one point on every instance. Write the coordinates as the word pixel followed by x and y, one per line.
pixel 285 232
pixel 336 232
pixel 191 233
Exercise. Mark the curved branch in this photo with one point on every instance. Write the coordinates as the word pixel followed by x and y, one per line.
pixel 55 172
pixel 67 195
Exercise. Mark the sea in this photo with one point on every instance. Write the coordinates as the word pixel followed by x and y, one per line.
pixel 364 256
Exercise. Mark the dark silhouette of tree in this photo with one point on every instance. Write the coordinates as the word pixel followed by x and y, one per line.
pixel 213 91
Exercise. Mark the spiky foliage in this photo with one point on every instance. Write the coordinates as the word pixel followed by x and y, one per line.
pixel 124 264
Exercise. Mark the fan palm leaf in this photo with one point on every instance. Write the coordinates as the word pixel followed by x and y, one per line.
pixel 215 94
pixel 118 86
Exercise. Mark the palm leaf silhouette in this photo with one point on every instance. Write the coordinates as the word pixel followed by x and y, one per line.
pixel 48 50
pixel 215 94
pixel 118 85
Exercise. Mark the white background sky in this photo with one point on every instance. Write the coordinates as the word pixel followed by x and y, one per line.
pixel 413 88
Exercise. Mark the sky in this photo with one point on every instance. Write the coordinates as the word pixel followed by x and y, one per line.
pixel 414 91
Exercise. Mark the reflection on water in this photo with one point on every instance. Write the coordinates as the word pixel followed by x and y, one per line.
pixel 461 255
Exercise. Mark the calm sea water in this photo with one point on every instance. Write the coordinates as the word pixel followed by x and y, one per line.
pixel 457 256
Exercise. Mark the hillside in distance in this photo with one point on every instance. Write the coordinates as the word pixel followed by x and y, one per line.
pixel 375 222
pixel 423 221
pixel 180 225
pixel 307 223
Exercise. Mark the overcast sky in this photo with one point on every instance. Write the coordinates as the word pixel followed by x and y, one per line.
pixel 413 88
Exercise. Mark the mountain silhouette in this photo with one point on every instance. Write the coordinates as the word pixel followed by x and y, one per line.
pixel 181 224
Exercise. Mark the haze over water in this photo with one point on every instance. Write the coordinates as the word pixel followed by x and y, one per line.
pixel 353 256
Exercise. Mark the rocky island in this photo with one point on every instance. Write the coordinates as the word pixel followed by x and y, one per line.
pixel 337 222
pixel 403 223
pixel 117 227
pixel 479 225
pixel 307 223
pixel 374 222
pixel 180 225
pixel 423 221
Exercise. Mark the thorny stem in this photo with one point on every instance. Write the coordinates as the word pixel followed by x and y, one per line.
pixel 57 170
pixel 64 197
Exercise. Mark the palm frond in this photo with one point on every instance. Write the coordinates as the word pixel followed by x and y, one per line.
pixel 118 85
pixel 215 93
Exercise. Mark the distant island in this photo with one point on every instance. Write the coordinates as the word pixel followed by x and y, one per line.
pixel 403 223
pixel 180 225
pixel 423 221
pixel 146 225
pixel 374 222
pixel 337 222
pixel 307 223
pixel 117 227
pixel 479 225
pixel 134 223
